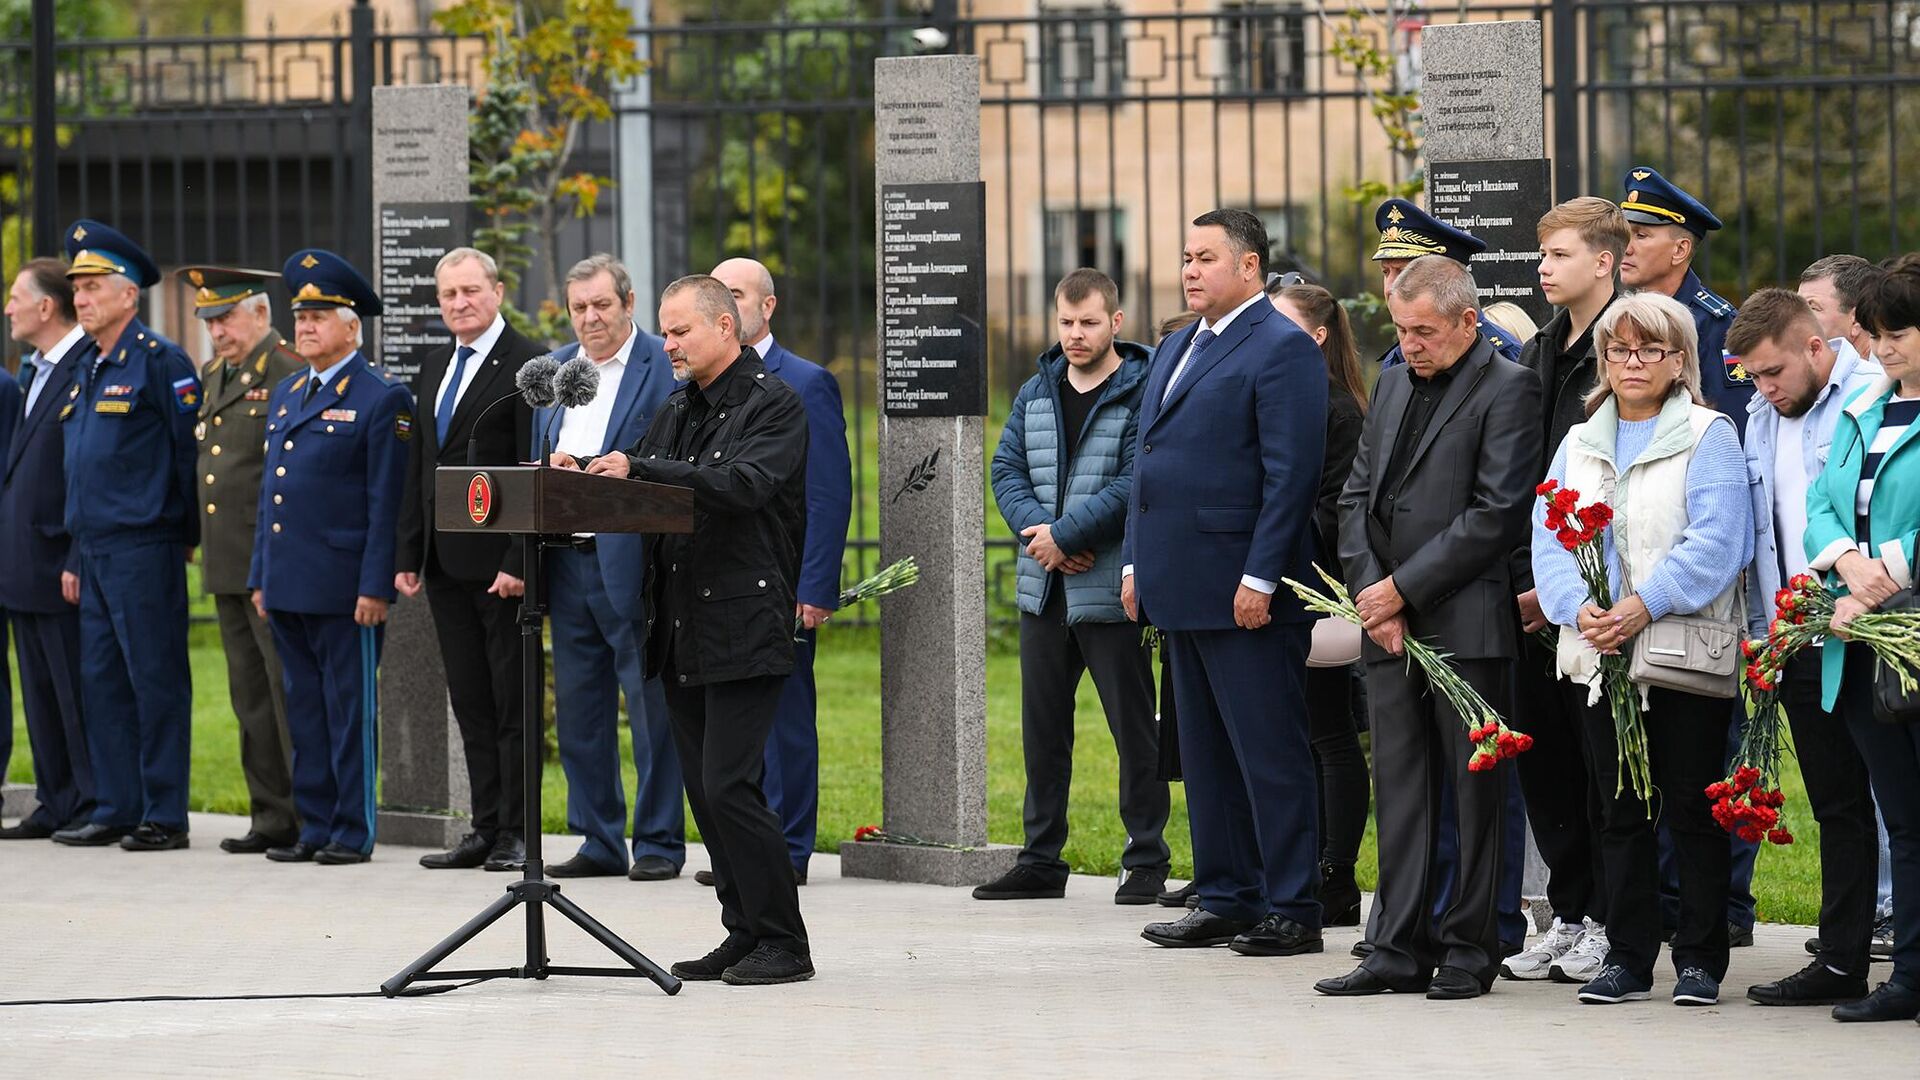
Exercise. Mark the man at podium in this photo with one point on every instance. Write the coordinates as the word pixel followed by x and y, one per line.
pixel 720 624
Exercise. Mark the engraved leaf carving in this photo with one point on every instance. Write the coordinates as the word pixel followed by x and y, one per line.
pixel 920 477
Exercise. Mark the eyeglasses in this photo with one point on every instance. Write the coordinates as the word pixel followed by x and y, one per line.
pixel 1648 354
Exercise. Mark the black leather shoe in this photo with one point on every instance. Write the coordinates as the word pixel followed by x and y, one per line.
pixel 91 835
pixel 1339 895
pixel 1023 883
pixel 254 843
pixel 1815 984
pixel 340 855
pixel 1360 983
pixel 509 854
pixel 799 877
pixel 152 837
pixel 1361 949
pixel 652 868
pixel 703 877
pixel 1141 888
pixel 1198 930
pixel 581 865
pixel 470 852
pixel 294 852
pixel 1889 1001
pixel 1277 935
pixel 1813 946
pixel 1454 984
pixel 1177 898
pixel 736 948
pixel 28 829
pixel 1739 937
pixel 768 965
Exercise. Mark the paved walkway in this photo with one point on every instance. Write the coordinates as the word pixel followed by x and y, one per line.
pixel 914 981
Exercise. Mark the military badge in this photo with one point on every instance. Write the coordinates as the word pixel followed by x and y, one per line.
pixel 403 427
pixel 200 430
pixel 345 416
pixel 118 408
pixel 116 390
pixel 187 393
pixel 258 393
pixel 1736 371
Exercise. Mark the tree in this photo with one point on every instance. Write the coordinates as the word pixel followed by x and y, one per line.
pixel 547 78
pixel 1384 70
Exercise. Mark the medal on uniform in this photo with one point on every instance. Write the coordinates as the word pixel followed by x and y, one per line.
pixel 200 430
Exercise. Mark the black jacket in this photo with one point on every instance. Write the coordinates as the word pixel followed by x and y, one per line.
pixel 1344 420
pixel 470 557
pixel 1563 385
pixel 720 600
pixel 1461 507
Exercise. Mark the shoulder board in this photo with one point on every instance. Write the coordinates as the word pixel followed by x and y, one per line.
pixel 1711 303
pixel 210 368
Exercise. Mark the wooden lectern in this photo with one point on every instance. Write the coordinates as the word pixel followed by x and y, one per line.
pixel 549 507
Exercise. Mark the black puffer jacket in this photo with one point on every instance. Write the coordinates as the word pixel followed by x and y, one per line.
pixel 720 600
pixel 1564 382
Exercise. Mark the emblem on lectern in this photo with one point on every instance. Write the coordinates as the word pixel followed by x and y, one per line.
pixel 480 498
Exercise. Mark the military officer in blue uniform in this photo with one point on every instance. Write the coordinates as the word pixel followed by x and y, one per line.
pixel 1408 232
pixel 127 427
pixel 323 552
pixel 1667 227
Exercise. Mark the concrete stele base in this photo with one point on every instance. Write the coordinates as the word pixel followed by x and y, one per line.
pixel 404 828
pixel 926 865
pixel 17 801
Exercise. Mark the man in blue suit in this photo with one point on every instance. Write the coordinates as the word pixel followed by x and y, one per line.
pixel 599 615
pixel 1226 475
pixel 128 424
pixel 323 552
pixel 792 782
pixel 39 583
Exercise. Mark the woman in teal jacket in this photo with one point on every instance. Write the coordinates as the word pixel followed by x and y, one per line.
pixel 1863 513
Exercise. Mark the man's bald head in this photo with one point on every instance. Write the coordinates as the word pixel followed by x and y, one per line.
pixel 752 287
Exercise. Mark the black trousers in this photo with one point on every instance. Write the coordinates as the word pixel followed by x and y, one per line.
pixel 1345 787
pixel 721 732
pixel 1418 739
pixel 1686 748
pixel 1053 656
pixel 480 645
pixel 256 688
pixel 1563 806
pixel 1842 802
pixel 1892 754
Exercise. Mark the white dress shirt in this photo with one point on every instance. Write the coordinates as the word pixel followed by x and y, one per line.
pixel 763 346
pixel 1255 583
pixel 44 365
pixel 583 429
pixel 482 347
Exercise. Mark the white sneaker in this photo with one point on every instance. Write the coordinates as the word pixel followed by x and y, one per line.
pixel 1534 962
pixel 1583 963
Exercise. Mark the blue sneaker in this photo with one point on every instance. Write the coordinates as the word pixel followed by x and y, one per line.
pixel 1614 985
pixel 1696 987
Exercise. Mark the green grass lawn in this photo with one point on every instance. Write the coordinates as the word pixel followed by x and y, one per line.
pixel 1787 881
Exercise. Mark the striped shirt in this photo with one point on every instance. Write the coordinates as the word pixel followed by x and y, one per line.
pixel 1899 414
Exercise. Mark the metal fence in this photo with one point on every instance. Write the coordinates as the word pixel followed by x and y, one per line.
pixel 1104 127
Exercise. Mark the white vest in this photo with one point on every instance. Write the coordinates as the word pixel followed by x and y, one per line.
pixel 1649 509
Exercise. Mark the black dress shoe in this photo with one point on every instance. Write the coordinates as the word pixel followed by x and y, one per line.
pixel 1339 895
pixel 1141 888
pixel 1023 883
pixel 1198 930
pixel 1815 984
pixel 470 852
pixel 1889 1001
pixel 799 877
pixel 294 852
pixel 509 854
pixel 91 835
pixel 581 865
pixel 1739 937
pixel 1360 983
pixel 1176 898
pixel 1813 946
pixel 1277 935
pixel 28 829
pixel 340 855
pixel 769 965
pixel 653 868
pixel 1361 949
pixel 152 837
pixel 254 843
pixel 703 877
pixel 1454 984
pixel 736 948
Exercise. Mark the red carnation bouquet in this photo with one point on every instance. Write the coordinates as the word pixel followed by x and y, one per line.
pixel 1582 530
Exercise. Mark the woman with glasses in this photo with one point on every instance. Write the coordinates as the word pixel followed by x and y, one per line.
pixel 1672 469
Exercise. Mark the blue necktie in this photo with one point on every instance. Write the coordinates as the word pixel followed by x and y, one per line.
pixel 1200 342
pixel 443 416
pixel 29 373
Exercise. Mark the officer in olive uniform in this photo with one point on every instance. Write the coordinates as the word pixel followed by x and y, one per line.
pixel 1408 232
pixel 250 359
pixel 323 552
pixel 1668 225
pixel 128 432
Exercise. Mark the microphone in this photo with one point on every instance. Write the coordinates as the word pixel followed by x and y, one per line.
pixel 533 384
pixel 576 383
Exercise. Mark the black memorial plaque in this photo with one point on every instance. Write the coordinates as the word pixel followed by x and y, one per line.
pixel 933 299
pixel 413 237
pixel 1501 202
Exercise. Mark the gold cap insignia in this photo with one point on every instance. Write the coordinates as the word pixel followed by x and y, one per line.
pixel 79 233
pixel 1394 215
pixel 1641 174
pixel 207 296
pixel 309 262
pixel 308 291
pixel 195 277
pixel 1633 196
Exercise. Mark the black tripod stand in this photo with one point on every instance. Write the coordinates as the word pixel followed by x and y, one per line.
pixel 532 889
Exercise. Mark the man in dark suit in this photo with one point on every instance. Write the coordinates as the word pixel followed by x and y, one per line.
pixel 38 566
pixel 1438 499
pixel 250 358
pixel 597 608
pixel 473 581
pixel 792 782
pixel 9 420
pixel 1226 474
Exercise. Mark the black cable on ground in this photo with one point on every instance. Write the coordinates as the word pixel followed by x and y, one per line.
pixel 412 991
